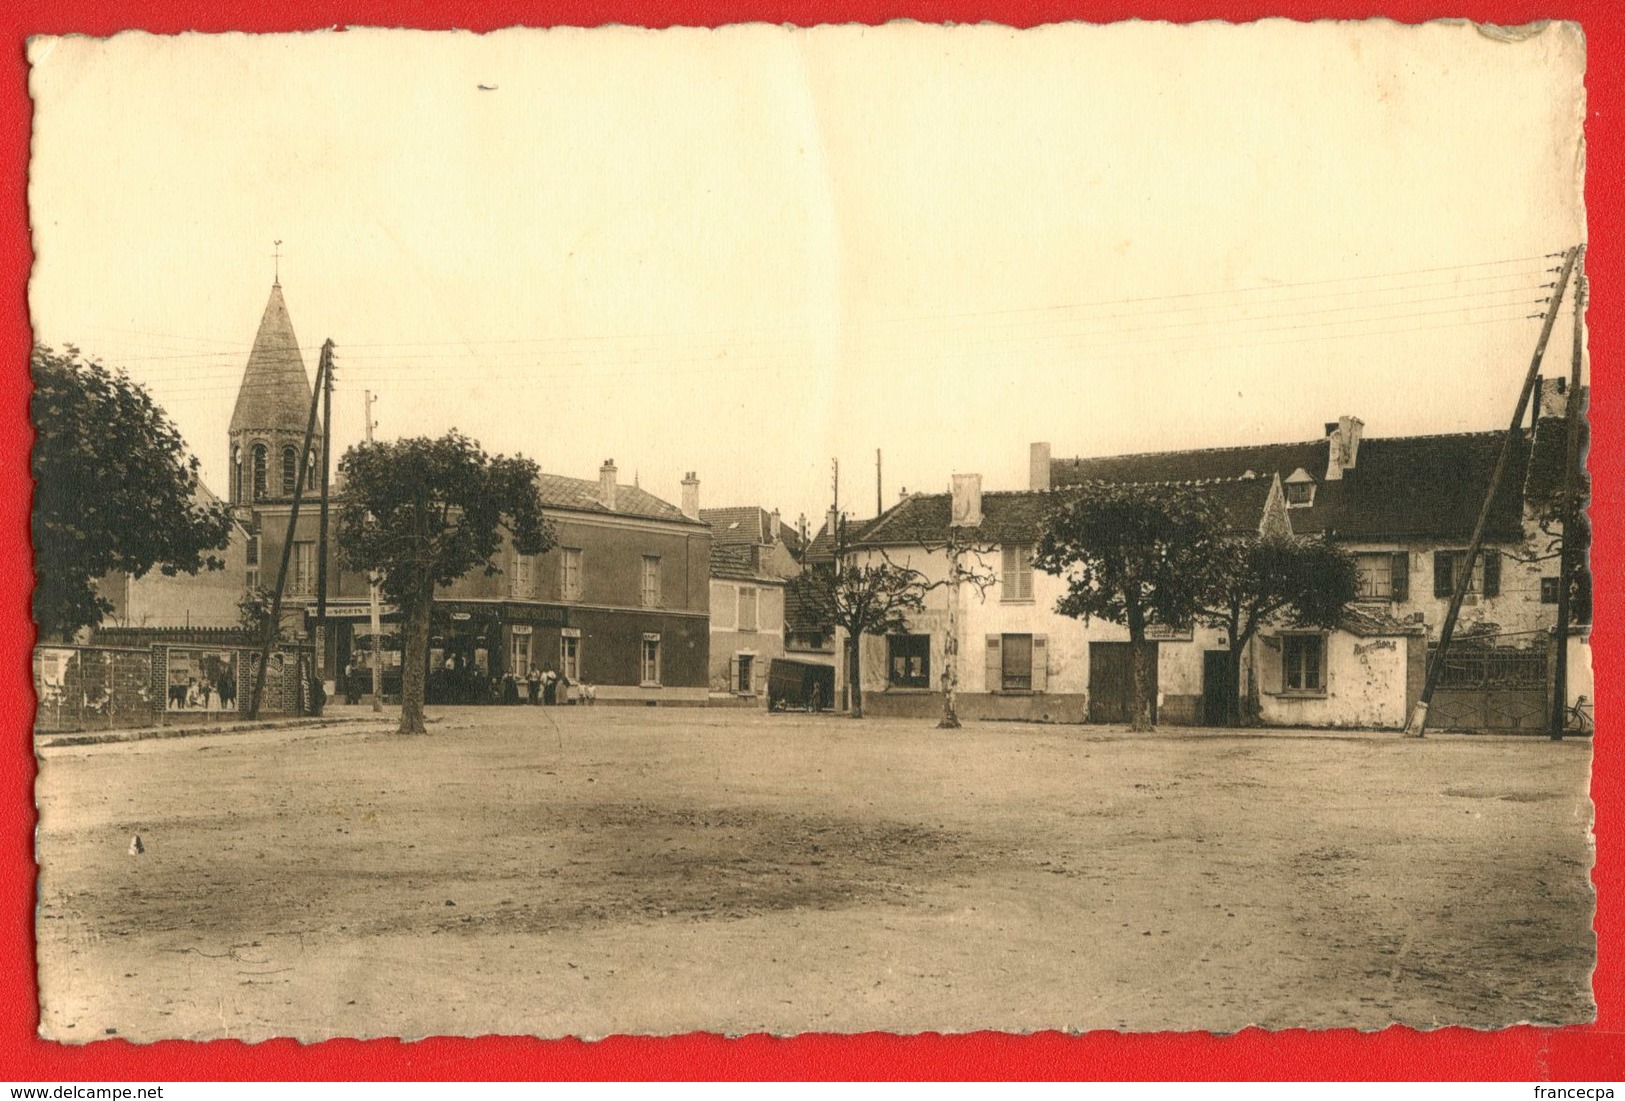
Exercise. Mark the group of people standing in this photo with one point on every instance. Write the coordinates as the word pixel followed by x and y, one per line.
pixel 547 686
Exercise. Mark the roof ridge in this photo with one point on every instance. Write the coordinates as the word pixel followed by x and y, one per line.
pixel 1193 450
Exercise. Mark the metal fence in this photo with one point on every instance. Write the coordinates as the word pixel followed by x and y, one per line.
pixel 1489 685
pixel 84 688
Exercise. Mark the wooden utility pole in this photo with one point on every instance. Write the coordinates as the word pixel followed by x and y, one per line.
pixel 273 622
pixel 880 500
pixel 1569 555
pixel 1418 723
pixel 377 616
pixel 318 664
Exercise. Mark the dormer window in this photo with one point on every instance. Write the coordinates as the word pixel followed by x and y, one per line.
pixel 1299 489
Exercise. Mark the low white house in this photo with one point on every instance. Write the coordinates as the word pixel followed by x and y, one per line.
pixel 1404 506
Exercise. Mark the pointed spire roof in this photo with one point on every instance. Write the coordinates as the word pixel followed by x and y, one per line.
pixel 275 392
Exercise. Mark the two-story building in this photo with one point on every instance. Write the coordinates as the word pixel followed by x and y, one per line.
pixel 620 603
pixel 1405 507
pixel 753 555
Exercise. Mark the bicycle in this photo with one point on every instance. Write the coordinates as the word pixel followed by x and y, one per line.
pixel 1579 719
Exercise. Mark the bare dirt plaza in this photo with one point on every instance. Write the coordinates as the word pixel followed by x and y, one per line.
pixel 575 871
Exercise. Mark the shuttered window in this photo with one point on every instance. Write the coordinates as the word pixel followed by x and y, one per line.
pixel 1017 663
pixel 651 581
pixel 1017 579
pixel 519 582
pixel 570 574
pixel 1486 578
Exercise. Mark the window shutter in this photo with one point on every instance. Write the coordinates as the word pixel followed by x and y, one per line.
pixel 1008 581
pixel 1492 572
pixel 1270 679
pixel 1400 573
pixel 1443 584
pixel 733 674
pixel 1040 663
pixel 995 667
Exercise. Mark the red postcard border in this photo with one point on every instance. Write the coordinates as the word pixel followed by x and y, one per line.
pixel 1594 1052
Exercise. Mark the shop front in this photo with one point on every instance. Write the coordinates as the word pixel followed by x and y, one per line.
pixel 479 651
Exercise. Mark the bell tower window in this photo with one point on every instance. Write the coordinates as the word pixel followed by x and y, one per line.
pixel 261 458
pixel 290 470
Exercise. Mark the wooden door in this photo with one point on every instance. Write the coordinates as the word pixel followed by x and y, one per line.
pixel 1218 688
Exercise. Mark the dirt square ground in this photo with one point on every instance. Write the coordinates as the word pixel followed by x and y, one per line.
pixel 589 871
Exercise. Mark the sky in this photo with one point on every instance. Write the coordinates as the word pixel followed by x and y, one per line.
pixel 751 251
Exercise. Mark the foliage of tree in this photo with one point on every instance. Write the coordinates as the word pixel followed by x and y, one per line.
pixel 1252 581
pixel 1133 554
pixel 868 598
pixel 424 512
pixel 115 489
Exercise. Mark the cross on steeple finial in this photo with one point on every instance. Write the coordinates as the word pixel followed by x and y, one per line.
pixel 276 259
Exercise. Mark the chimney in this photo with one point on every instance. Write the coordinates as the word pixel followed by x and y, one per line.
pixel 1343 452
pixel 1038 466
pixel 772 528
pixel 967 501
pixel 1554 397
pixel 691 496
pixel 606 484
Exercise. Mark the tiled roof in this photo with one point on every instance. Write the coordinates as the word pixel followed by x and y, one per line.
pixel 1548 460
pixel 749 524
pixel 1018 517
pixel 799 616
pixel 1007 517
pixel 1404 486
pixel 1184 466
pixel 736 525
pixel 581 495
pixel 822 546
pixel 1368 620
pixel 732 562
pixel 275 391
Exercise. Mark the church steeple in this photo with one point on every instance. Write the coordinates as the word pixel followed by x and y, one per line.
pixel 273 404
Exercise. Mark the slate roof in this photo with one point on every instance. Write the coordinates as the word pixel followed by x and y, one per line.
pixel 581 495
pixel 275 391
pixel 1403 486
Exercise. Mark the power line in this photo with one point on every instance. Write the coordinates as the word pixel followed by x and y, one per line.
pixel 1182 296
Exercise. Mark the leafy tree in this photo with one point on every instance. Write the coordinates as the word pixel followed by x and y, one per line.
pixel 423 513
pixel 874 598
pixel 114 490
pixel 1133 554
pixel 1254 580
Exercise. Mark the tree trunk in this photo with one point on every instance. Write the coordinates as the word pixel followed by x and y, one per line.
pixel 1142 654
pixel 1233 705
pixel 415 663
pixel 950 655
pixel 853 688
